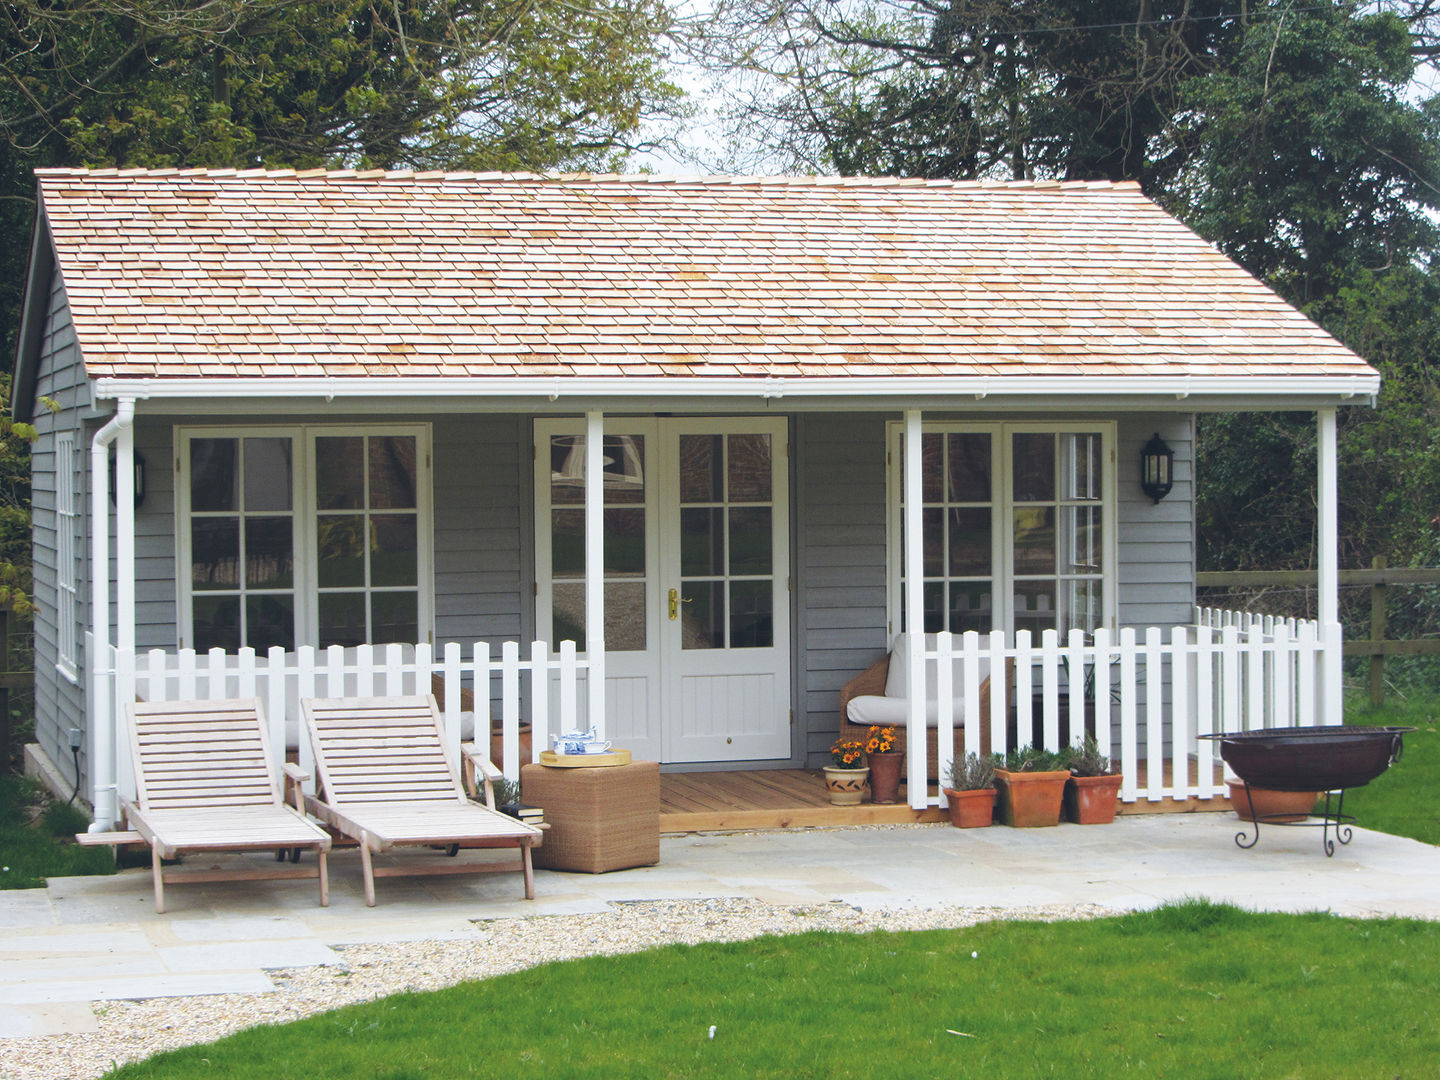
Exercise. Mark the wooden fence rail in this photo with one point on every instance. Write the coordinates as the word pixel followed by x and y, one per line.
pixel 1377 646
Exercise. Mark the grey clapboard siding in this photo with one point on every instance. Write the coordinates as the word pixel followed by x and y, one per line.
pixel 840 525
pixel 482 505
pixel 59 702
pixel 840 512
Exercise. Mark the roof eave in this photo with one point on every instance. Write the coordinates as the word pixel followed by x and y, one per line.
pixel 1188 392
pixel 34 307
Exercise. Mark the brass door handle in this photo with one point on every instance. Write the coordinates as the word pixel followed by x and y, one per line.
pixel 675 601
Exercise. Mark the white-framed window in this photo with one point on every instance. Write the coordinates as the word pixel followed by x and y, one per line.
pixel 304 535
pixel 1018 522
pixel 67 516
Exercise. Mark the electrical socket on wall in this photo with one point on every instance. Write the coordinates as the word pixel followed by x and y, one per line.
pixel 76 738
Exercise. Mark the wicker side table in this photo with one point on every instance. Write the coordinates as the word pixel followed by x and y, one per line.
pixel 600 819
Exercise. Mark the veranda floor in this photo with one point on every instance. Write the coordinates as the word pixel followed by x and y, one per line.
pixel 795 798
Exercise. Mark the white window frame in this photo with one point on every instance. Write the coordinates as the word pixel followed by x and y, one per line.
pixel 67 517
pixel 305 511
pixel 1002 515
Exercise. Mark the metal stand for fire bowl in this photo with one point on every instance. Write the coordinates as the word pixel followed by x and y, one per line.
pixel 1341 820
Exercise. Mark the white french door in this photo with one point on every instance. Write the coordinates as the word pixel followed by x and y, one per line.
pixel 696 580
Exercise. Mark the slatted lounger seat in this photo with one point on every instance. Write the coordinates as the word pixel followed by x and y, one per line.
pixel 204 781
pixel 385 782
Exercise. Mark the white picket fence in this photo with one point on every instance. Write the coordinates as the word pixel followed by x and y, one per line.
pixel 1152 693
pixel 280 680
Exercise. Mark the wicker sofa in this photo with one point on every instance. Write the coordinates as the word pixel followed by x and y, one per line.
pixel 873 697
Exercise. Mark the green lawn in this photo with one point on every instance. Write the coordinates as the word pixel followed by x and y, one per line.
pixel 37 838
pixel 1405 801
pixel 1195 991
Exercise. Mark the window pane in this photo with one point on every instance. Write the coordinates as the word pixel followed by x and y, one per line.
pixel 970 467
pixel 392 472
pixel 216 622
pixel 701 458
pixel 342 619
pixel 749 468
pixel 270 620
pixel 1082 539
pixel 933 542
pixel 752 623
pixel 567 470
pixel 1034 467
pixel 215 554
pixel 268 475
pixel 969 542
pixel 269 553
pixel 1083 608
pixel 934 593
pixel 393 546
pixel 212 474
pixel 702 542
pixel 393 617
pixel 703 618
pixel 340 550
pixel 750 540
pixel 1035 540
pixel 567 614
pixel 624 616
pixel 1035 606
pixel 932 472
pixel 1080 466
pixel 970 607
pixel 624 470
pixel 340 472
pixel 624 544
pixel 567 543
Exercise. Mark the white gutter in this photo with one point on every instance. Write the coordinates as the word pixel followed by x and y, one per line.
pixel 102 723
pixel 1180 387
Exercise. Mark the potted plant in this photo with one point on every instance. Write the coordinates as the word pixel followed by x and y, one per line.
pixel 846 773
pixel 1032 787
pixel 970 798
pixel 1267 804
pixel 1093 789
pixel 885 764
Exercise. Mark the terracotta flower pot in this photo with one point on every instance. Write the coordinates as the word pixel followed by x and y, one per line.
pixel 885 772
pixel 1091 800
pixel 1268 803
pixel 845 786
pixel 971 809
pixel 1029 800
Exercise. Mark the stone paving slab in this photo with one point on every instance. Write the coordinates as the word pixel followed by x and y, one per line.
pixel 94 939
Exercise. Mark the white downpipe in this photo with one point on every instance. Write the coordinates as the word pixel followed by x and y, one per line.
pixel 595 568
pixel 1327 504
pixel 915 730
pixel 102 722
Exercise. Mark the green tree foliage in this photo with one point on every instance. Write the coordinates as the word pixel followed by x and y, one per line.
pixel 1286 134
pixel 455 84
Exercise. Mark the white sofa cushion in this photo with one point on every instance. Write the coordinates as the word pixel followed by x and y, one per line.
pixel 896 676
pixel 880 710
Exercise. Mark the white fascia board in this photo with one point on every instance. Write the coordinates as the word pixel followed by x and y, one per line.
pixel 1261 390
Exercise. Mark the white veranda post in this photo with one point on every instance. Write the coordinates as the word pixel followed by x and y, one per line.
pixel 595 568
pixel 1327 497
pixel 914 611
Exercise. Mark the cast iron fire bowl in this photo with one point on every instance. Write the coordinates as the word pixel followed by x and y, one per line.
pixel 1311 758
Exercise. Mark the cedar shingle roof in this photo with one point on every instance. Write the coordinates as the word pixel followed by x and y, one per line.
pixel 218 273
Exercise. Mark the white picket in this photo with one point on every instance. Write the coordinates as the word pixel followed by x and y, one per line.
pixel 1204 711
pixel 1179 713
pixel 999 705
pixel 1129 734
pixel 1154 716
pixel 945 698
pixel 1101 662
pixel 1050 688
pixel 1024 694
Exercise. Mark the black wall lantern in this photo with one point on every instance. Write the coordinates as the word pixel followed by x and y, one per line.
pixel 1157 468
pixel 139 479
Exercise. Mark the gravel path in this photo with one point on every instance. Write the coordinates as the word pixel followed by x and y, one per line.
pixel 131 1030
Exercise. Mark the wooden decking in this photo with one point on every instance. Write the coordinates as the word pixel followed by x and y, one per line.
pixel 795 798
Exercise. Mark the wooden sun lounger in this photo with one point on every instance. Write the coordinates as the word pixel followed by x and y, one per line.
pixel 385 782
pixel 204 782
